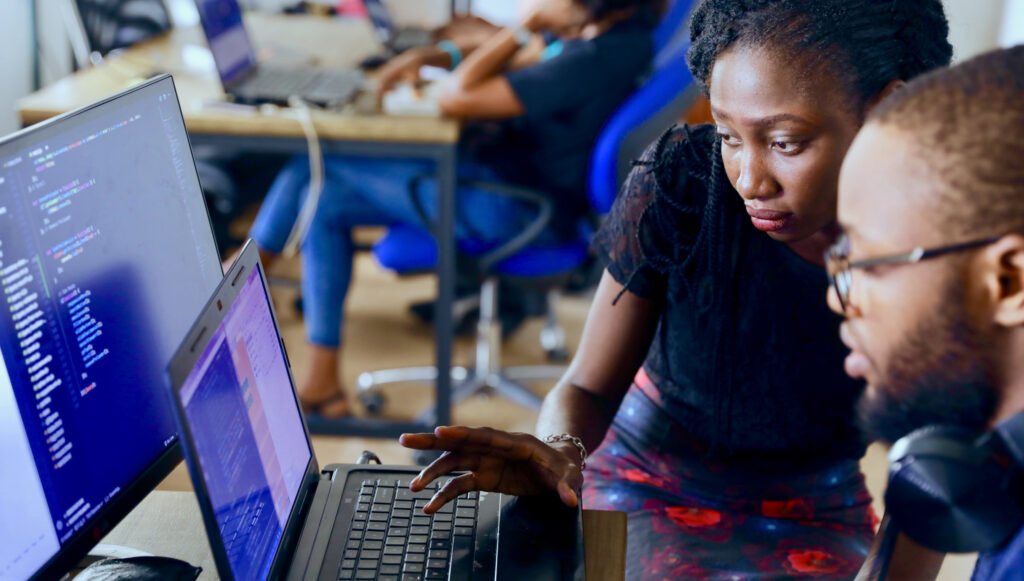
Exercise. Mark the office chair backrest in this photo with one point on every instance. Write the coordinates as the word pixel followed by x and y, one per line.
pixel 673 23
pixel 111 24
pixel 661 101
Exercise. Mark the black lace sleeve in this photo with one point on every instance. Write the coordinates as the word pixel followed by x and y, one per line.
pixel 657 214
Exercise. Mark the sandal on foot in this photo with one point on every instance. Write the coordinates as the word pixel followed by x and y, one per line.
pixel 332 403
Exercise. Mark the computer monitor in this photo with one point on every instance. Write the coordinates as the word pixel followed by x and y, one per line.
pixel 106 258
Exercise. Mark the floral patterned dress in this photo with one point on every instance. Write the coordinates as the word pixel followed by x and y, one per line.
pixel 694 519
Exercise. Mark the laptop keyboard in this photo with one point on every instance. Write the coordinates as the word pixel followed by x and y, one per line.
pixel 392 540
pixel 316 86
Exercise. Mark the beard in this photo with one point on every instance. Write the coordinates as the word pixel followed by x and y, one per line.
pixel 939 374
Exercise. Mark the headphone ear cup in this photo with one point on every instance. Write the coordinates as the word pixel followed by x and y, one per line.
pixel 950 495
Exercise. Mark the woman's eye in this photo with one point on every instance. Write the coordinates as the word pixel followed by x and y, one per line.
pixel 728 139
pixel 784 146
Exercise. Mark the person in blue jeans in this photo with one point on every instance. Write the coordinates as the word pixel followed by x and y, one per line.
pixel 938 332
pixel 540 106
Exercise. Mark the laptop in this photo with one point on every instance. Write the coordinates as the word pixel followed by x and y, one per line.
pixel 247 81
pixel 394 38
pixel 271 511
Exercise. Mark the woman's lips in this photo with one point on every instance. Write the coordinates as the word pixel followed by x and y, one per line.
pixel 769 220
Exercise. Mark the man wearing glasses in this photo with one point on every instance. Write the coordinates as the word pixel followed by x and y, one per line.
pixel 930 270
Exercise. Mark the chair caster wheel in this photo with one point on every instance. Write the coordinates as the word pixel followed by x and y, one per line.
pixel 559 355
pixel 373 402
pixel 424 457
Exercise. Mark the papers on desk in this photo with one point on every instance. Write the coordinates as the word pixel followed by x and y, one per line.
pixel 422 102
pixel 198 59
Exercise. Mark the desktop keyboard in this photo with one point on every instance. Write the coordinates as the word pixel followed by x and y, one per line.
pixel 392 540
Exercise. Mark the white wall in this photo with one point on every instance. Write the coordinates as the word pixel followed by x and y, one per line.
pixel 53 35
pixel 974 25
pixel 1012 31
pixel 16 64
pixel 505 13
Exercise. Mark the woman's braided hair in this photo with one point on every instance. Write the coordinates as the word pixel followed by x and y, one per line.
pixel 863 45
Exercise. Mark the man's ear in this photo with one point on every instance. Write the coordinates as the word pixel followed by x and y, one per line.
pixel 1003 278
pixel 893 86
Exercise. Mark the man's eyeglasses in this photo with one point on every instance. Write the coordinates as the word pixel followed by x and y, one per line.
pixel 839 266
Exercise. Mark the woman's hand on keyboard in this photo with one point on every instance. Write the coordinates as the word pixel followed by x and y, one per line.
pixel 496 461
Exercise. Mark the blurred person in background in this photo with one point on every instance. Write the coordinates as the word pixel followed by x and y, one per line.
pixel 545 108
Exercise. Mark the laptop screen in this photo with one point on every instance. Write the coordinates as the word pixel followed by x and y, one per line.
pixel 249 439
pixel 381 20
pixel 228 40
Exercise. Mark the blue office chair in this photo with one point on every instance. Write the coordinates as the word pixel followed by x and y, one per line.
pixel 659 102
pixel 674 26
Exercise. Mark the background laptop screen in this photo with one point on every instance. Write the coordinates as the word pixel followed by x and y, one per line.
pixel 381 19
pixel 248 434
pixel 228 40
pixel 106 257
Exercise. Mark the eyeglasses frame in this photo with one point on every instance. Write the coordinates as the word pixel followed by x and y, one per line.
pixel 914 256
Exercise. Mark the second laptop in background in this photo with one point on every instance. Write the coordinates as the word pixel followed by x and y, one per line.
pixel 397 39
pixel 247 81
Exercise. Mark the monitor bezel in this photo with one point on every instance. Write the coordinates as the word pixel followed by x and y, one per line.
pixel 185 358
pixel 78 546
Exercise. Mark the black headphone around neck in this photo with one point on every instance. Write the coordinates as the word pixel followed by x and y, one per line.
pixel 954 491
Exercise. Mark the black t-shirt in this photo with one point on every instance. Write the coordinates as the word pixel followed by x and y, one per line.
pixel 747 354
pixel 568 99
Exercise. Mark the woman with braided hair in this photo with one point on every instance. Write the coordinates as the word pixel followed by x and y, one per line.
pixel 710 371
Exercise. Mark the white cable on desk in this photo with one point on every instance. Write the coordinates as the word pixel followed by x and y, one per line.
pixel 316 177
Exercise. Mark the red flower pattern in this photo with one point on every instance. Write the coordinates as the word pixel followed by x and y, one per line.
pixel 797 509
pixel 635 475
pixel 707 523
pixel 694 517
pixel 817 563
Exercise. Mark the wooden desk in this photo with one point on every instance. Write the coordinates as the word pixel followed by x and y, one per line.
pixel 313 41
pixel 169 524
pixel 357 129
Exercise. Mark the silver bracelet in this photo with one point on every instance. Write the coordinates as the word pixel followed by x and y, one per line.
pixel 522 36
pixel 575 442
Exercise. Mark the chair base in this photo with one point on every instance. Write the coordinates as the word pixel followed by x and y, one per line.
pixel 466 383
pixel 486 376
